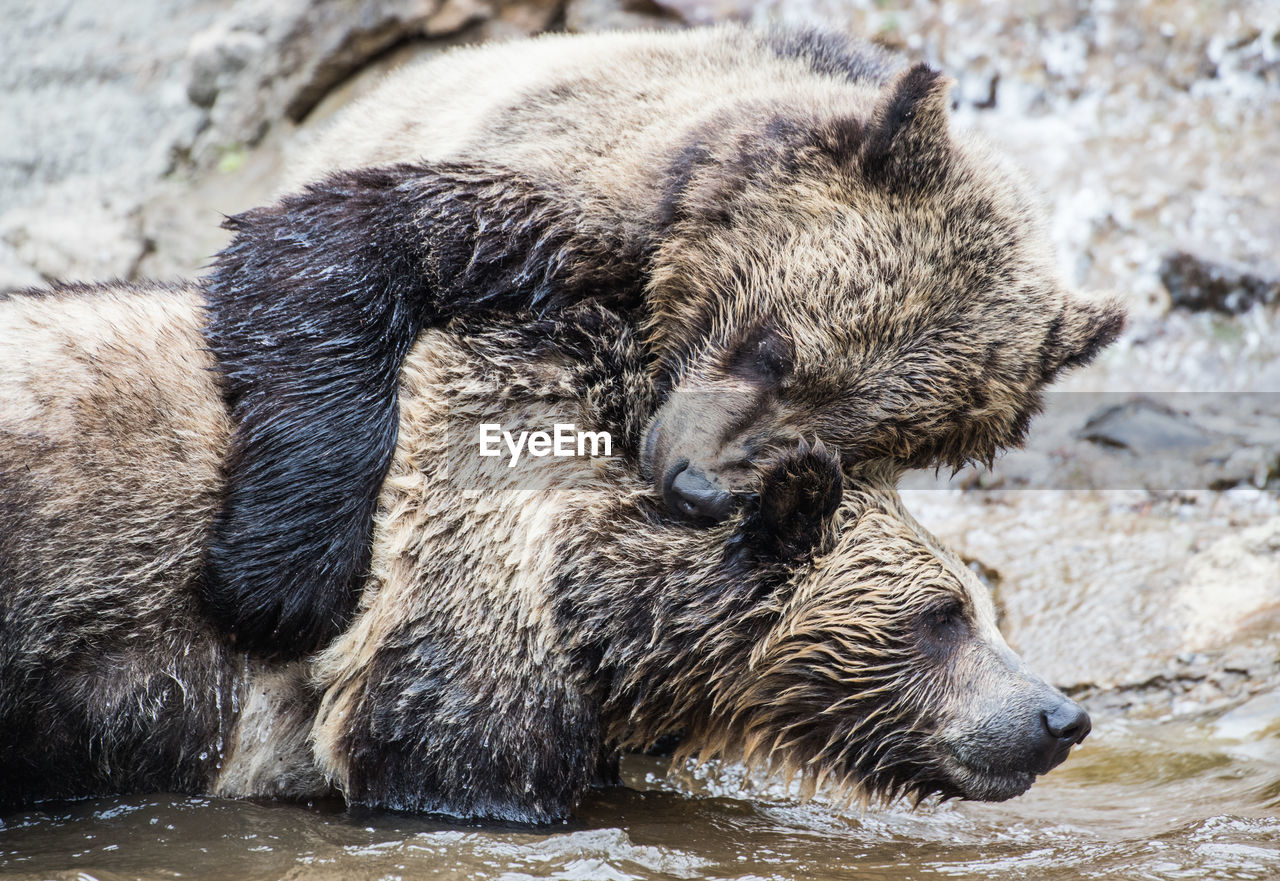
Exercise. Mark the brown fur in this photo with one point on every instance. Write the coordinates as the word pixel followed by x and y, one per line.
pixel 518 626
pixel 805 245
pixel 824 198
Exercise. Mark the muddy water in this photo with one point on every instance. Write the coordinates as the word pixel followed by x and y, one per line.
pixel 1151 799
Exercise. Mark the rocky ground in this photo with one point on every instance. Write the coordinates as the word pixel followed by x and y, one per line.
pixel 1135 548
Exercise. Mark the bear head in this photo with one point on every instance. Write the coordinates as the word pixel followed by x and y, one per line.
pixel 871 665
pixel 880 282
pixel 520 631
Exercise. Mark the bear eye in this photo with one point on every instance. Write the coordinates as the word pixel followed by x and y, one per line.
pixel 764 356
pixel 942 627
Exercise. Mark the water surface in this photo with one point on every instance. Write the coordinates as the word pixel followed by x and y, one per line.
pixel 1142 799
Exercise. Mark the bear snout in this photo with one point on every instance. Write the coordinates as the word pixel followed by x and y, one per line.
pixel 701 448
pixel 1003 758
pixel 691 495
pixel 1063 726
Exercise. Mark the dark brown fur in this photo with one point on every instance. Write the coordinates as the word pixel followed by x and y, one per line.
pixel 731 189
pixel 517 626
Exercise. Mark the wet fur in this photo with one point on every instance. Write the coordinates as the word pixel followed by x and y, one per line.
pixel 386 252
pixel 507 643
pixel 720 186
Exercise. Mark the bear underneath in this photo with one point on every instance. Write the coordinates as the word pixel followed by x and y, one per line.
pixel 517 627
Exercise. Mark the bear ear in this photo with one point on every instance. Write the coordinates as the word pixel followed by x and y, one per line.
pixel 311 311
pixel 906 142
pixel 1079 332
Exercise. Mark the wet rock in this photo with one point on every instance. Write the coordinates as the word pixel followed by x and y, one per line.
pixel 1143 424
pixel 1251 720
pixel 1195 282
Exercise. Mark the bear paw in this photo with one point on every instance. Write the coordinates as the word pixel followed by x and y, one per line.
pixel 800 490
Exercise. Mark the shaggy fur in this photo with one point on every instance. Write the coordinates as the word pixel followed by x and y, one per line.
pixel 518 625
pixel 111 439
pixel 806 246
pixel 312 386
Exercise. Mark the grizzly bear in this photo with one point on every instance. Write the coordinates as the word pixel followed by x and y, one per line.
pixel 517 626
pixel 803 244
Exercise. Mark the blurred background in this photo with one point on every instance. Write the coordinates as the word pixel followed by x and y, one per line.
pixel 1134 548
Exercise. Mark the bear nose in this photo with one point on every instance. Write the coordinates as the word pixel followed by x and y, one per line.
pixel 689 494
pixel 1067 723
pixel 1062 726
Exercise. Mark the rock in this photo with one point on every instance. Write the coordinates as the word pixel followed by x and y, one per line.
pixel 1197 283
pixel 582 16
pixel 1142 425
pixel 517 18
pixel 182 219
pixel 708 11
pixel 1144 442
pixel 14 274
pixel 92 112
pixel 252 68
pixel 90 88
pixel 1251 720
pixel 216 56
pixel 1231 587
pixel 80 230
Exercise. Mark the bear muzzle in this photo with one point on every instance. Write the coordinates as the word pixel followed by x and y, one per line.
pixel 703 450
pixel 1063 726
pixel 690 494
pixel 1003 760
